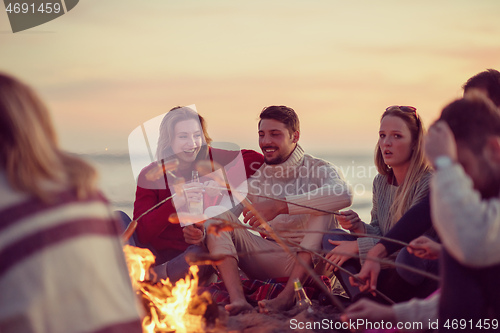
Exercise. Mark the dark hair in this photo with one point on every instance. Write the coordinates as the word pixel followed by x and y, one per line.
pixel 472 121
pixel 284 115
pixel 488 80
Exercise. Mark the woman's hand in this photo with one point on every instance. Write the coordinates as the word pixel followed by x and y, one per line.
pixel 367 277
pixel 193 192
pixel 341 253
pixel 187 193
pixel 194 233
pixel 425 248
pixel 350 220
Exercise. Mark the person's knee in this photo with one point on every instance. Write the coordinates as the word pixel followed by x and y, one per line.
pixel 219 214
pixel 325 244
pixel 340 235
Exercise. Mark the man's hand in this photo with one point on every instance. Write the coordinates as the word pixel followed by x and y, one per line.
pixel 350 220
pixel 268 209
pixel 440 142
pixel 341 253
pixel 194 233
pixel 425 248
pixel 370 270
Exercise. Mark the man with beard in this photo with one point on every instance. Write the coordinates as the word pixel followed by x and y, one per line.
pixel 465 207
pixel 294 177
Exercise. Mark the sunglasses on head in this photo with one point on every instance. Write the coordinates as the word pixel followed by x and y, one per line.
pixel 404 108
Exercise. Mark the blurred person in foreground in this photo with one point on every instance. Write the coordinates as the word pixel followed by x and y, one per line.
pixel 62 267
pixel 464 145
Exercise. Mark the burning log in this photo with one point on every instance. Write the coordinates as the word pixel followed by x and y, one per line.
pixel 169 308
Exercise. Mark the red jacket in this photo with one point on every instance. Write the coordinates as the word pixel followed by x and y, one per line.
pixel 154 228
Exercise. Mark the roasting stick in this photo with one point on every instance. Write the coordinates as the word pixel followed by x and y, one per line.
pixel 133 224
pixel 319 255
pixel 220 188
pixel 276 237
pixel 319 210
pixel 166 167
pixel 270 232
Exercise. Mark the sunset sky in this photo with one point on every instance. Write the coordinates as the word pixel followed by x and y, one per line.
pixel 109 65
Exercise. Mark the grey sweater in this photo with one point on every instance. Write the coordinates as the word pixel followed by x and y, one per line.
pixel 383 197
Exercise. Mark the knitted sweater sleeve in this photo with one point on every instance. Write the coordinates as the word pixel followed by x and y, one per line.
pixel 366 243
pixel 411 225
pixel 414 223
pixel 330 192
pixel 468 226
pixel 415 311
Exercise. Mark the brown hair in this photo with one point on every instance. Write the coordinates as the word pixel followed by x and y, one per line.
pixel 167 132
pixel 472 121
pixel 29 151
pixel 488 80
pixel 418 163
pixel 284 115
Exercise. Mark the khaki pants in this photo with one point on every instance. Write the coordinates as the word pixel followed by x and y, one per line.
pixel 271 261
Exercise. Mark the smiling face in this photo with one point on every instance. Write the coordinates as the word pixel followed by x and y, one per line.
pixel 395 141
pixel 187 140
pixel 275 141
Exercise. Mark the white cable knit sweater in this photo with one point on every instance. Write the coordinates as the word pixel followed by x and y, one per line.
pixel 305 180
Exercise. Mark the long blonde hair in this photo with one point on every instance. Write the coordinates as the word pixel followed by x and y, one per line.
pixel 29 152
pixel 418 163
pixel 167 131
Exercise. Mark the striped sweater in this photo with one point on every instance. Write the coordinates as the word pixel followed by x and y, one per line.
pixel 62 267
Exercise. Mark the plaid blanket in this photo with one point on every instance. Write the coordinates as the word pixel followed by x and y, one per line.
pixel 256 290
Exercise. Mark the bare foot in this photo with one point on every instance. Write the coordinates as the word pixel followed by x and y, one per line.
pixel 275 305
pixel 238 307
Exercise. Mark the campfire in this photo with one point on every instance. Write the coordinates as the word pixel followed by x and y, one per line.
pixel 169 308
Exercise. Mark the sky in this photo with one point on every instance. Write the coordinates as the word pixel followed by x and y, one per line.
pixel 108 66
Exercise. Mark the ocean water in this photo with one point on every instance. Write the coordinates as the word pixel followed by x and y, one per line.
pixel 117 181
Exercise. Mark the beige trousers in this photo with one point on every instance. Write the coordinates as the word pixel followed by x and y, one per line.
pixel 258 257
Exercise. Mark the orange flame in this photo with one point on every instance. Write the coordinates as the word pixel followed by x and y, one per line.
pixel 167 305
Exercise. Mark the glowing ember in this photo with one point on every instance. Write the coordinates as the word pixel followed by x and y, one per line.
pixel 167 306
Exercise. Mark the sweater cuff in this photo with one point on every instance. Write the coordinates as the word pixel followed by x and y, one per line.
pixel 423 311
pixel 449 175
pixel 364 245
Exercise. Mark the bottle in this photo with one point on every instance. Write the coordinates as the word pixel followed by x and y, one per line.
pixel 196 206
pixel 301 300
